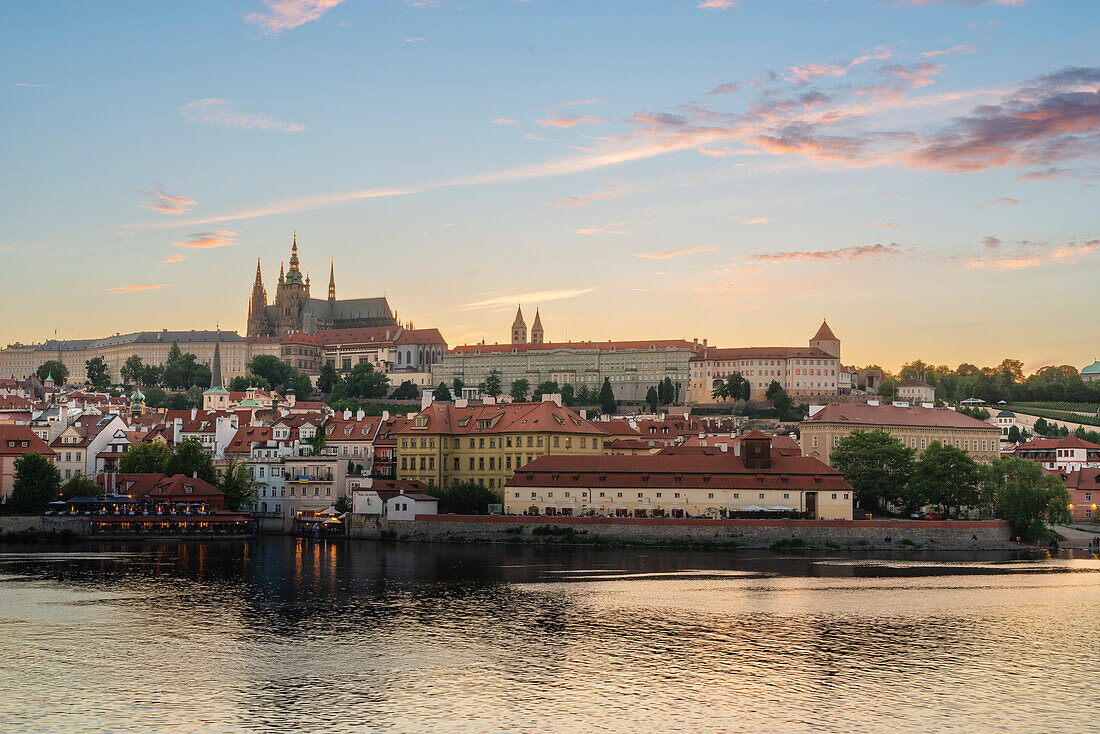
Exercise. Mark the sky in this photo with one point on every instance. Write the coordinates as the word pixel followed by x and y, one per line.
pixel 921 172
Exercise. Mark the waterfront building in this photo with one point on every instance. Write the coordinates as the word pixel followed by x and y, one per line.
pixel 370 496
pixel 806 373
pixel 916 427
pixel 1066 455
pixel 313 483
pixel 15 441
pixel 161 489
pixel 1084 492
pixel 295 311
pixel 914 390
pixel 448 443
pixel 682 482
pixel 80 442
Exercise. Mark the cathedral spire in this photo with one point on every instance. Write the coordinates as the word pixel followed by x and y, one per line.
pixel 281 277
pixel 259 278
pixel 216 371
pixel 332 281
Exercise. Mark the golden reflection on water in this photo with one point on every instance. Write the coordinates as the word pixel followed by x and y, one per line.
pixel 297 635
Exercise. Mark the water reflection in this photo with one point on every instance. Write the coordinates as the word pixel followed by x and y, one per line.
pixel 294 635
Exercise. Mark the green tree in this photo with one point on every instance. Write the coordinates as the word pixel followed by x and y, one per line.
pixel 200 376
pixel 888 388
pixel 736 387
pixel 519 390
pixel 1041 427
pixel 342 505
pixel 342 404
pixel 666 391
pixel 652 398
pixel 1023 494
pixel 568 395
pixel 876 464
pixel 547 387
pixel 442 393
pixel 177 372
pixel 237 483
pixel 316 443
pixel 131 370
pixel 303 386
pixel 783 404
pixel 98 376
pixel 190 459
pixel 154 397
pixel 465 498
pixel 239 384
pixel 277 372
pixel 54 368
pixel 151 375
pixel 946 477
pixel 150 457
pixel 327 378
pixel 773 388
pixel 366 382
pixel 179 401
pixel 174 353
pixel 458 384
pixel 80 486
pixel 1014 434
pixel 405 391
pixel 608 404
pixel 37 482
pixel 492 385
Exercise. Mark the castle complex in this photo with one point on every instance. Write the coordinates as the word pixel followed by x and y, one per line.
pixel 294 311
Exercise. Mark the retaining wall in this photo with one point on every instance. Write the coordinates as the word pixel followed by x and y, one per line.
pixel 868 534
pixel 45 524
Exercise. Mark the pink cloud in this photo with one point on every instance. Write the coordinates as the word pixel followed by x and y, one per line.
pixel 576 102
pixel 566 121
pixel 283 15
pixel 504 121
pixel 749 220
pixel 732 288
pixel 208 240
pixel 717 4
pixel 669 254
pixel 119 289
pixel 585 200
pixel 809 72
pixel 162 201
pixel 223 113
pixel 845 254
pixel 177 258
pixel 953 50
pixel 612 228
pixel 1034 255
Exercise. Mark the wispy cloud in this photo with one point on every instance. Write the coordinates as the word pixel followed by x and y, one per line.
pixel 575 102
pixel 566 121
pixel 717 4
pixel 177 258
pixel 138 288
pixel 953 50
pixel 283 15
pixel 669 254
pixel 415 39
pixel 749 220
pixel 732 288
pixel 991 242
pixel 162 201
pixel 26 84
pixel 586 199
pixel 1034 255
pixel 884 225
pixel 612 228
pixel 209 240
pixel 1007 200
pixel 534 297
pixel 504 121
pixel 1047 174
pixel 844 254
pixel 223 113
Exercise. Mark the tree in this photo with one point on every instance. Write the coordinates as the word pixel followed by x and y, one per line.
pixel 191 459
pixel 442 393
pixel 200 376
pixel 178 372
pixel 888 388
pixel 1014 434
pixel 366 382
pixel 342 505
pixel 736 387
pixel 1020 492
pixel 154 397
pixel 131 370
pixel 240 492
pixel 303 386
pixel 1042 427
pixel 652 398
pixel 876 464
pixel 151 375
pixel 946 477
pixel 327 378
pixel 568 397
pixel 174 353
pixel 773 388
pixel 458 385
pixel 666 391
pixel 53 368
pixel 607 398
pixel 547 387
pixel 492 385
pixel 179 401
pixel 783 404
pixel 316 443
pixel 465 498
pixel 80 486
pixel 239 384
pixel 277 372
pixel 519 390
pixel 98 376
pixel 405 391
pixel 37 482
pixel 150 457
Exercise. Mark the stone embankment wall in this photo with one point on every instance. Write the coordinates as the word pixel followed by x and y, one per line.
pixel 44 524
pixel 857 534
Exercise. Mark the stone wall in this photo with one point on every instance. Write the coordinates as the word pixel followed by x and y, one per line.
pixel 44 524
pixel 864 534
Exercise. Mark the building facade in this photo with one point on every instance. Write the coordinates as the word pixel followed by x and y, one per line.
pixel 916 391
pixel 916 427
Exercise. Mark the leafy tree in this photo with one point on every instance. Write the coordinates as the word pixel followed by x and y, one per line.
pixel 177 372
pixel 303 386
pixel 37 482
pixel 327 378
pixel 200 376
pixel 174 353
pixel 277 372
pixel 150 457
pixel 465 498
pixel 442 393
pixel 492 385
pixel 98 376
pixel 190 459
pixel 366 382
pixel 239 384
pixel 1014 434
pixel 547 387
pixel 405 391
pixel 736 387
pixel 608 404
pixel 151 375
pixel 342 404
pixel 458 385
pixel 54 368
pixel 1023 494
pixel 652 398
pixel 1042 427
pixel 154 397
pixel 783 404
pixel 236 482
pixel 179 401
pixel 519 390
pixel 316 443
pixel 876 464
pixel 666 391
pixel 946 477
pixel 773 388
pixel 80 486
pixel 131 370
pixel 568 396
pixel 342 504
pixel 888 388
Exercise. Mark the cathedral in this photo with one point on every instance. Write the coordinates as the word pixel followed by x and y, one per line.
pixel 295 312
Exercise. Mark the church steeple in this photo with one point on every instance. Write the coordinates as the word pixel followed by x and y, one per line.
pixel 282 279
pixel 216 368
pixel 332 281
pixel 536 329
pixel 257 307
pixel 294 275
pixel 519 328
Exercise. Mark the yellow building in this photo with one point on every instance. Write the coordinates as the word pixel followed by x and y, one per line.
pixel 916 427
pixel 448 443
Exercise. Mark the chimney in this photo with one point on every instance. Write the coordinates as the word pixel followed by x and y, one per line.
pixel 461 402
pixel 385 415
pixel 359 415
pixel 194 475
pixel 554 398
pixel 488 400
pixel 193 413
pixel 347 415
pixel 426 400
pixel 736 448
pixel 723 447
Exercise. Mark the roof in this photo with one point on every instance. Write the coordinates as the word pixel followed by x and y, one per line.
pixel 914 382
pixel 178 486
pixel 136 337
pixel 1084 479
pixel 546 416
pixel 1092 369
pixel 824 332
pixel 376 335
pixel 339 429
pixel 16 440
pixel 714 355
pixel 652 345
pixel 1006 414
pixel 873 416
pixel 1050 444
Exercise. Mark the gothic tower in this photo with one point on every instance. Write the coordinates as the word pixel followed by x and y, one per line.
pixel 291 295
pixel 332 283
pixel 825 340
pixel 258 324
pixel 519 328
pixel 537 336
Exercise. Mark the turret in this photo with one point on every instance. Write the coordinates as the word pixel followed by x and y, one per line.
pixel 536 329
pixel 519 328
pixel 331 282
pixel 825 340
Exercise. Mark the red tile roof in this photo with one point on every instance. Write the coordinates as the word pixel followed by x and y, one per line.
pixel 655 344
pixel 1050 444
pixel 544 417
pixel 872 416
pixel 717 355
pixel 16 440
pixel 1084 479
pixel 824 333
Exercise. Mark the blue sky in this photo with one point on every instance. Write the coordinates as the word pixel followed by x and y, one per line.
pixel 920 172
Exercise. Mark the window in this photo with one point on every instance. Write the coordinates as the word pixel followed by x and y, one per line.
pixel 710 495
pixel 761 495
pixel 834 495
pixel 815 442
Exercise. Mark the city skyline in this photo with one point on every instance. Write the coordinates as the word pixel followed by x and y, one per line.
pixel 923 176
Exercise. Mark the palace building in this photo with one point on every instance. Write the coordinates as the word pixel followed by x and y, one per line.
pixel 295 311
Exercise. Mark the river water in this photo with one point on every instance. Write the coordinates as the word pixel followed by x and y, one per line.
pixel 288 635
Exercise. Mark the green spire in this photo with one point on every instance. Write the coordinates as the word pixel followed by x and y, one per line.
pixel 216 371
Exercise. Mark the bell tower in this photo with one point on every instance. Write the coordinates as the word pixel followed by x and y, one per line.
pixel 519 328
pixel 258 324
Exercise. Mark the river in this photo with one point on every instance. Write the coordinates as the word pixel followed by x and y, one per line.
pixel 287 635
